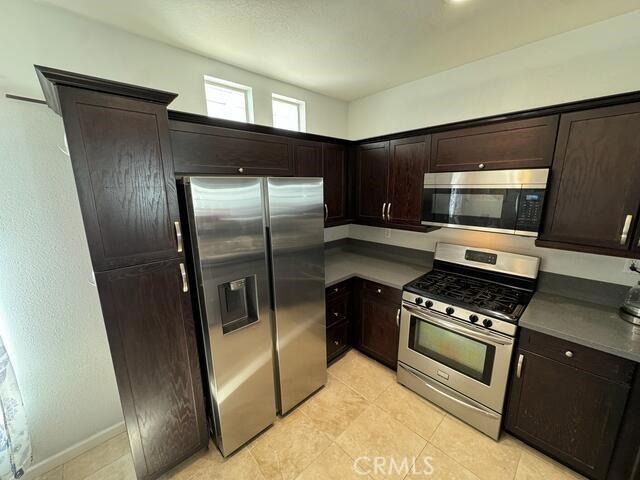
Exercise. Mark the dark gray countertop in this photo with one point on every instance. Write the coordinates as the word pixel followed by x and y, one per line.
pixel 588 324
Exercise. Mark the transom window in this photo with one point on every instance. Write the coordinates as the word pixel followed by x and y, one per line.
pixel 288 113
pixel 228 100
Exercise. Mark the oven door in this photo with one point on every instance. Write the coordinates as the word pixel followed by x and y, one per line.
pixel 469 359
pixel 492 208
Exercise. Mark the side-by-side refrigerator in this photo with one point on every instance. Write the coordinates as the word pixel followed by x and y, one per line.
pixel 258 249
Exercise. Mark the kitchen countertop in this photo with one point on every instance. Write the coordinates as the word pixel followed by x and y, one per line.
pixel 340 265
pixel 588 324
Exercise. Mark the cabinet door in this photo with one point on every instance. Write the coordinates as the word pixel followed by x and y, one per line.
pixel 514 144
pixel 566 412
pixel 307 158
pixel 406 172
pixel 122 163
pixel 334 160
pixel 594 195
pixel 151 335
pixel 373 165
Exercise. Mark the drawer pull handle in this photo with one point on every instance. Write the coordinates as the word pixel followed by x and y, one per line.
pixel 336 342
pixel 519 368
pixel 335 314
pixel 240 170
pixel 183 274
pixel 336 290
pixel 625 229
pixel 481 166
pixel 568 354
pixel 379 290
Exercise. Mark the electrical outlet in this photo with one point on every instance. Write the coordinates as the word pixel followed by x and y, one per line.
pixel 387 233
pixel 630 264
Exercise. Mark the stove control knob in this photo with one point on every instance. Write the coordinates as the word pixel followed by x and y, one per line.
pixel 473 318
pixel 487 323
pixel 418 300
pixel 428 304
pixel 449 311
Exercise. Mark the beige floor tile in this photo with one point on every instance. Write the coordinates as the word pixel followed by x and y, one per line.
pixel 434 464
pixel 365 376
pixel 191 467
pixel 97 458
pixel 240 465
pixel 289 447
pixel 410 409
pixel 333 464
pixel 54 474
pixel 334 407
pixel 376 435
pixel 485 457
pixel 121 469
pixel 535 466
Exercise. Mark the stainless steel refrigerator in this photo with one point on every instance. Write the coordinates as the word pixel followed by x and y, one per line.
pixel 258 249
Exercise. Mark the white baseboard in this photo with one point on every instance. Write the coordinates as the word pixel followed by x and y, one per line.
pixel 73 451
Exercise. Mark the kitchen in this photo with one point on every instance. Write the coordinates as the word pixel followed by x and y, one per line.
pixel 281 304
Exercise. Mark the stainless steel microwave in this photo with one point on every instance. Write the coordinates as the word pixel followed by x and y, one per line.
pixel 501 201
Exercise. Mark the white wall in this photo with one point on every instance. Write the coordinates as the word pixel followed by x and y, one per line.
pixel 597 60
pixel 49 313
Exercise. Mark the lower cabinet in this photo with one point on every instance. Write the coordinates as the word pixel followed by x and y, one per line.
pixel 338 312
pixel 150 327
pixel 377 321
pixel 568 401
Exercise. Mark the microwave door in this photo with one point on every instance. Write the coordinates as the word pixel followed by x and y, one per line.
pixel 491 208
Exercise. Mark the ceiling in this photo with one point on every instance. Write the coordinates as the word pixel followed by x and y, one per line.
pixel 347 49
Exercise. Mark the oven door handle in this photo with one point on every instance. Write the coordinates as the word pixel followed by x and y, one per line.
pixel 451 397
pixel 449 325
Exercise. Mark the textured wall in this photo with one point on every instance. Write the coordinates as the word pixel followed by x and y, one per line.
pixel 49 313
pixel 600 59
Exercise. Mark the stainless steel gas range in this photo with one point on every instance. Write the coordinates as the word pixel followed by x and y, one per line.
pixel 457 330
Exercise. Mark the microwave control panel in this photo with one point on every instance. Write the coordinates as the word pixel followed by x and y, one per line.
pixel 530 210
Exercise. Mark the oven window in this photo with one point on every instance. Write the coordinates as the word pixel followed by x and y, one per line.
pixel 479 207
pixel 464 354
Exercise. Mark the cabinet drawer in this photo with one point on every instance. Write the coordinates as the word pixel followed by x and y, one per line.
pixel 336 290
pixel 337 339
pixel 337 309
pixel 585 358
pixel 381 291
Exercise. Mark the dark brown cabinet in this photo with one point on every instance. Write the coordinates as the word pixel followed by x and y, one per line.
pixel 594 197
pixel 122 163
pixel 339 324
pixel 307 158
pixel 336 185
pixel 504 145
pixel 206 149
pixel 377 317
pixel 390 179
pixel 150 326
pixel 568 401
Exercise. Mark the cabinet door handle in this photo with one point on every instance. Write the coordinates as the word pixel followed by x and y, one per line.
pixel 389 212
pixel 481 166
pixel 398 319
pixel 384 205
pixel 185 282
pixel 326 212
pixel 625 229
pixel 241 170
pixel 178 236
pixel 519 368
pixel 568 354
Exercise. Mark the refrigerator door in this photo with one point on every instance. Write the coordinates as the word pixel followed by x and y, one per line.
pixel 296 225
pixel 229 239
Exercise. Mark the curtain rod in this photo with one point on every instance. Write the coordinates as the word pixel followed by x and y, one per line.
pixel 25 99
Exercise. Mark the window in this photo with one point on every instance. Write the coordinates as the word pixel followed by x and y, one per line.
pixel 288 113
pixel 228 100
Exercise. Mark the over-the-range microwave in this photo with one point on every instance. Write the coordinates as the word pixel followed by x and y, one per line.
pixel 501 201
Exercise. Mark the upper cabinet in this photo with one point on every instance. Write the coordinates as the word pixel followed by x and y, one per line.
pixel 307 158
pixel 505 145
pixel 335 173
pixel 122 163
pixel 205 149
pixel 389 181
pixel 594 196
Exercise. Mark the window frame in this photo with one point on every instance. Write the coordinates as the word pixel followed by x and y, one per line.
pixel 301 107
pixel 246 91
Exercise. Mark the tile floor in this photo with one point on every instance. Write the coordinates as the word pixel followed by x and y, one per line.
pixel 362 413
